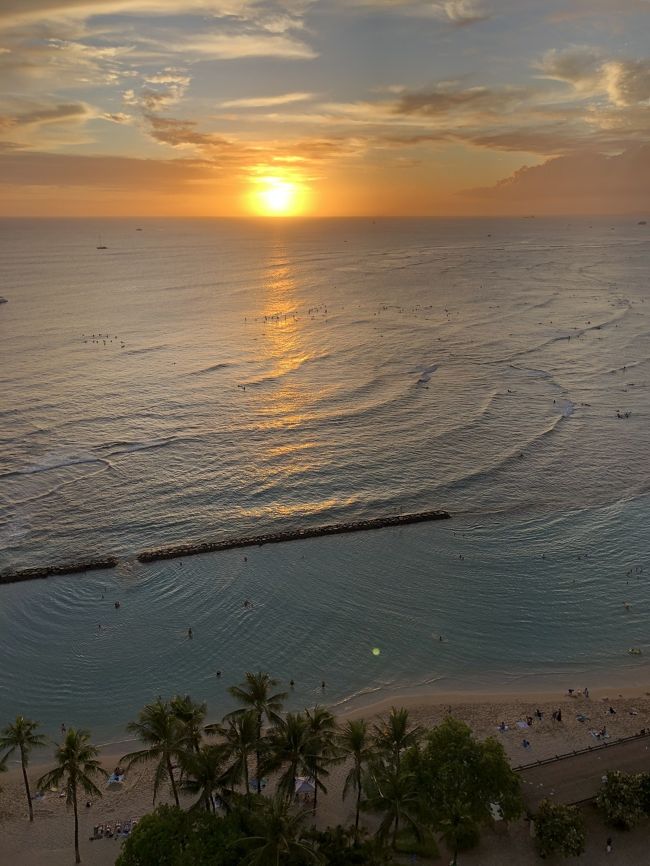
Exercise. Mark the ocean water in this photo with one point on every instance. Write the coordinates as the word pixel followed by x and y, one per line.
pixel 201 379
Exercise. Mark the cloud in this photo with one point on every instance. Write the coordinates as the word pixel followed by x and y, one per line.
pixel 457 12
pixel 446 99
pixel 223 46
pixel 108 172
pixel 624 82
pixel 266 101
pixel 584 182
pixel 463 12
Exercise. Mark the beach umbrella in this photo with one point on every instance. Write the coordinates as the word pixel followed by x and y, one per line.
pixel 304 786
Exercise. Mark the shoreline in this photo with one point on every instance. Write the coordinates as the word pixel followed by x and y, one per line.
pixel 432 704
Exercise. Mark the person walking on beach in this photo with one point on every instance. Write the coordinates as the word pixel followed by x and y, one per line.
pixel 190 634
pixel 608 845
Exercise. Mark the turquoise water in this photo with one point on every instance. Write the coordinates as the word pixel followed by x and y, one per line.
pixel 263 376
pixel 531 606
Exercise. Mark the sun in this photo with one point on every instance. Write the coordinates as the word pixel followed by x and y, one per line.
pixel 277 196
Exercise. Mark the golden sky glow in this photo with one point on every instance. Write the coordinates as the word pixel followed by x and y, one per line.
pixel 324 107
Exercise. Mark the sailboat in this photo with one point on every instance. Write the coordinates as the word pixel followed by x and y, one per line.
pixel 100 245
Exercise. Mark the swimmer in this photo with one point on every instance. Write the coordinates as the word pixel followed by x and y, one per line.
pixel 189 633
pixel 291 683
pixel 218 673
pixel 117 604
pixel 322 685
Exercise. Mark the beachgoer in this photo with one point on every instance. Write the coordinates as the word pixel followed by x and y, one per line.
pixel 554 715
pixel 322 685
pixel 559 716
pixel 291 683
pixel 539 713
pixel 63 729
pixel 608 845
pixel 117 604
pixel 218 673
pixel 525 743
pixel 586 692
pixel 502 726
pixel 190 633
pixel 529 721
pixel 612 711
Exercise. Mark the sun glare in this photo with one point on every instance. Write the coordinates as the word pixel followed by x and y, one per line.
pixel 277 196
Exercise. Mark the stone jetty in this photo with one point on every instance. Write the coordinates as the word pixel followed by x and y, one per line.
pixel 41 572
pixel 191 549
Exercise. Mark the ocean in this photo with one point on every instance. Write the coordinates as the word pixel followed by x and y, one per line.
pixel 202 379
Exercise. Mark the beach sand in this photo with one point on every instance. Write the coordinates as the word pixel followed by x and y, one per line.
pixel 48 841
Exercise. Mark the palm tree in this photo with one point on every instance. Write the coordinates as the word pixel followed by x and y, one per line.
pixel 393 735
pixel 3 767
pixel 254 694
pixel 321 728
pixel 289 744
pixel 191 715
pixel 354 740
pixel 160 729
pixel 239 740
pixel 22 735
pixel 393 793
pixel 204 774
pixel 278 836
pixel 77 764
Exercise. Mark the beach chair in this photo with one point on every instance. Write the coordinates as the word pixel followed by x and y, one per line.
pixel 98 831
pixel 126 828
pixel 118 829
pixel 108 831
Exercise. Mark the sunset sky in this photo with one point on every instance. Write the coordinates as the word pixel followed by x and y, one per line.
pixel 324 107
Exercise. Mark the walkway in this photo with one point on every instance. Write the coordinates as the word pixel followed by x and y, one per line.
pixel 577 777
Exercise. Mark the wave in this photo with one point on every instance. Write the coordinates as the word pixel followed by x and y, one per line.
pixel 296 365
pixel 129 447
pixel 55 462
pixel 146 350
pixel 510 457
pixel 212 369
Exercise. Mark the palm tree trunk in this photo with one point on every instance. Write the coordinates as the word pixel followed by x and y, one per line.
pixel 395 829
pixel 246 782
pixel 77 855
pixel 257 753
pixel 356 819
pixel 170 772
pixel 315 789
pixel 26 780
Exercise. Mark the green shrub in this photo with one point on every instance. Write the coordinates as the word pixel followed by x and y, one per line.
pixel 559 830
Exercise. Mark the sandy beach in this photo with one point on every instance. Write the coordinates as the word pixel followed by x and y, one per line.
pixel 48 841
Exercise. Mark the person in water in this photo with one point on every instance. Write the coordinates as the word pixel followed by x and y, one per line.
pixel 190 635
